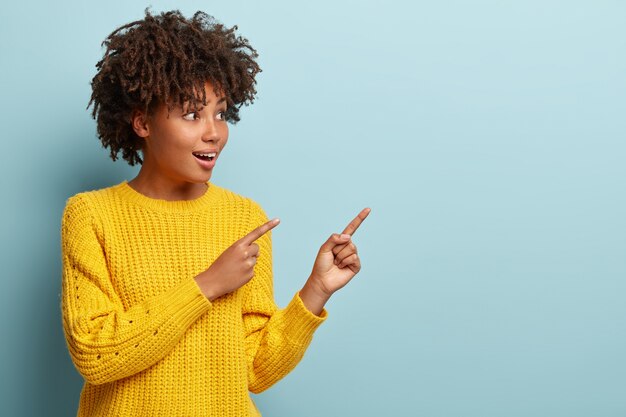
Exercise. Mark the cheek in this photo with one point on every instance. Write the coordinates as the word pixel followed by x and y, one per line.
pixel 224 133
pixel 174 146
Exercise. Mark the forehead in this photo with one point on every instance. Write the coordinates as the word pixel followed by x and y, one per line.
pixel 212 92
pixel 213 97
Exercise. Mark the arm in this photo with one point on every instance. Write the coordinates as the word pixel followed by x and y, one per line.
pixel 275 339
pixel 105 341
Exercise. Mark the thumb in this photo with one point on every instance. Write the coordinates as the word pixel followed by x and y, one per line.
pixel 334 240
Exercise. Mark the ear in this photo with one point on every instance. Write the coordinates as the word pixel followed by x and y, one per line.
pixel 139 123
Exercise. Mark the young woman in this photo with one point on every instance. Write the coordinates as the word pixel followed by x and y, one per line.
pixel 167 299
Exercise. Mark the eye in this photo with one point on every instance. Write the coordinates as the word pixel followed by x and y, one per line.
pixel 193 113
pixel 222 115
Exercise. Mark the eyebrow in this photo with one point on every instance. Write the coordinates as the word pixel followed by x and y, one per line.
pixel 223 99
pixel 187 104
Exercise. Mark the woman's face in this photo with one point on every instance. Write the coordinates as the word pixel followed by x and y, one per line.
pixel 175 147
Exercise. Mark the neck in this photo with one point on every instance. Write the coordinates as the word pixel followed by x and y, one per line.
pixel 164 188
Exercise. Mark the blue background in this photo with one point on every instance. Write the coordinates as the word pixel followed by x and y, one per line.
pixel 488 137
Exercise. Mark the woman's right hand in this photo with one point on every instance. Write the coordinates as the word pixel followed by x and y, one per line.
pixel 235 266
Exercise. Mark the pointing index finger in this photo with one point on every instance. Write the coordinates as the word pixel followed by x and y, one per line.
pixel 260 231
pixel 354 224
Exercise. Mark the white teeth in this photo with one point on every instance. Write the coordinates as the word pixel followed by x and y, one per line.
pixel 212 154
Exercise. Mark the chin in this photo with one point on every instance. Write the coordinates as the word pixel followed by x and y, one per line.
pixel 200 179
pixel 206 178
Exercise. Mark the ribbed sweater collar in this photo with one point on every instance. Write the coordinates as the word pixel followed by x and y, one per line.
pixel 167 206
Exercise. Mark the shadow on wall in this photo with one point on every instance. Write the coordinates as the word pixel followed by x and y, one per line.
pixel 54 387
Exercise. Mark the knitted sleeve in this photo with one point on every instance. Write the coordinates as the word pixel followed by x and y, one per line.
pixel 276 339
pixel 105 341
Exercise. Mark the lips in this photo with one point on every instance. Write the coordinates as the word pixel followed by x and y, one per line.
pixel 206 159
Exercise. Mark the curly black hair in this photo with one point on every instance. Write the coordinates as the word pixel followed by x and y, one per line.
pixel 166 59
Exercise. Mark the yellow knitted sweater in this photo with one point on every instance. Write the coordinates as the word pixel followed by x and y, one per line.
pixel 138 328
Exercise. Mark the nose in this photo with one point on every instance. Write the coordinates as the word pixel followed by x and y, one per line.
pixel 211 133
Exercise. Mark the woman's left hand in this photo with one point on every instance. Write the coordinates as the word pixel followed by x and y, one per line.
pixel 337 261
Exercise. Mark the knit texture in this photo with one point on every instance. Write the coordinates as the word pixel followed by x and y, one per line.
pixel 138 328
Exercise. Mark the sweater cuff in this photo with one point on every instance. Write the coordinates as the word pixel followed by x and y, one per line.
pixel 302 323
pixel 188 301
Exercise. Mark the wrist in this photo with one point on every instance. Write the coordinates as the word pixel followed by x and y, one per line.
pixel 313 297
pixel 206 288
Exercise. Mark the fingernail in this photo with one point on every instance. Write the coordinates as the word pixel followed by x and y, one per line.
pixel 345 236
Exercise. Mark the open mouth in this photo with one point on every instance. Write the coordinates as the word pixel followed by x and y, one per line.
pixel 205 156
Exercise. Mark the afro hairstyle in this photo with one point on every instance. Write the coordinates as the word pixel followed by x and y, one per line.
pixel 166 59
